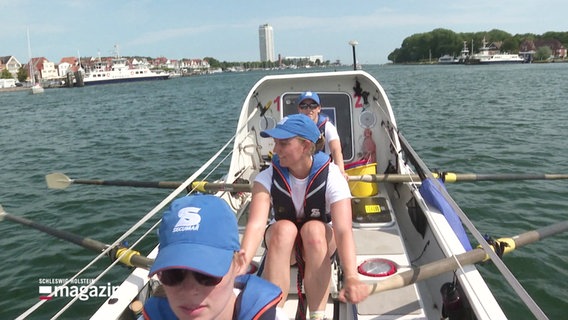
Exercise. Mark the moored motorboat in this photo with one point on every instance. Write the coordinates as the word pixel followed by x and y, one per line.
pixel 487 56
pixel 37 88
pixel 448 59
pixel 400 225
pixel 119 71
pixel 499 58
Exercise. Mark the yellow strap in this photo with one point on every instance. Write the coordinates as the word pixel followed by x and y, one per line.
pixel 199 185
pixel 510 244
pixel 446 176
pixel 126 255
pixel 507 249
pixel 450 177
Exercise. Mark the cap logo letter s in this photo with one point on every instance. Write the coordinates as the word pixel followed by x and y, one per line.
pixel 189 219
pixel 315 213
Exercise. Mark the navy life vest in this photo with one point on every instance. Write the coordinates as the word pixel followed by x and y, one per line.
pixel 314 201
pixel 322 120
pixel 257 301
pixel 258 298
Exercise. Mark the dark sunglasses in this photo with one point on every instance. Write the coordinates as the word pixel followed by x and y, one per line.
pixel 308 105
pixel 173 277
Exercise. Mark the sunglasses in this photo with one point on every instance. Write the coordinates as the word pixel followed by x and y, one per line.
pixel 173 277
pixel 308 105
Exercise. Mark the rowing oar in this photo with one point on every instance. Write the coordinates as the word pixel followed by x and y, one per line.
pixel 459 177
pixel 436 268
pixel 59 180
pixel 126 256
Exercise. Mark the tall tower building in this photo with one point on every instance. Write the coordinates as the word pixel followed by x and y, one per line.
pixel 266 42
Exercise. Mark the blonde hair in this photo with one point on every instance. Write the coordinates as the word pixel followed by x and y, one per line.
pixel 314 147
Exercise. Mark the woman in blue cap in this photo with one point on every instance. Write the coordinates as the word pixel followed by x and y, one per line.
pixel 199 263
pixel 306 192
pixel 310 105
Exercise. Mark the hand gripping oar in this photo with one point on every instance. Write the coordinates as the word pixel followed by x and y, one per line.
pixel 436 268
pixel 459 177
pixel 126 256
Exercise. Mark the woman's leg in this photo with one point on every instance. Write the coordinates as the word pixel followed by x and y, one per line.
pixel 280 238
pixel 317 237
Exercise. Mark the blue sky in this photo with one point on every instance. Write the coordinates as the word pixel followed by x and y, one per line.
pixel 228 30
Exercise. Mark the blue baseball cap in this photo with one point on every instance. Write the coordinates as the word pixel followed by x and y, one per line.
pixel 295 125
pixel 199 233
pixel 309 95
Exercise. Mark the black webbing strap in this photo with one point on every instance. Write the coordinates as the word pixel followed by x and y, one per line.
pixel 302 306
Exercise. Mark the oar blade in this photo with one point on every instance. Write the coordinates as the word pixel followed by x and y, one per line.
pixel 57 180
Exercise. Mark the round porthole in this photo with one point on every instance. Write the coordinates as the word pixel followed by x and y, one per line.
pixel 267 123
pixel 367 119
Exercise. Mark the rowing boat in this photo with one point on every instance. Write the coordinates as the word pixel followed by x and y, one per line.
pixel 412 248
pixel 390 221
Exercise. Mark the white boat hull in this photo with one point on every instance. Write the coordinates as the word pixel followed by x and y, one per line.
pixel 120 71
pixel 106 78
pixel 37 89
pixel 500 58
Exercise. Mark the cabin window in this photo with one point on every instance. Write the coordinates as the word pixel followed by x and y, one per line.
pixel 337 107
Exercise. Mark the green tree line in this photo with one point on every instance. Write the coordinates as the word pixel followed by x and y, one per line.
pixel 20 76
pixel 438 42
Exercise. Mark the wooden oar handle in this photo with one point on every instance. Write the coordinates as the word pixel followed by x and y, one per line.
pixel 459 177
pixel 125 255
pixel 441 266
pixel 204 186
pixel 127 183
pixel 427 271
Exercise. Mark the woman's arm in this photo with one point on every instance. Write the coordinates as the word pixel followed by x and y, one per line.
pixel 258 217
pixel 354 290
pixel 335 147
pixel 341 222
pixel 337 155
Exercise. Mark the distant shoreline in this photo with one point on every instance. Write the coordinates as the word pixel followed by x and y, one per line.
pixel 428 63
